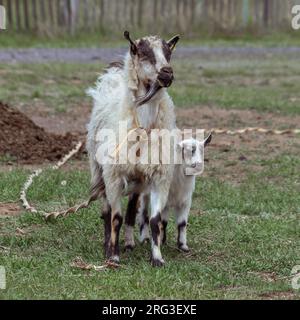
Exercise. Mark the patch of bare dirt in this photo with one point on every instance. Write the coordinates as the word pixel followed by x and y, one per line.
pixel 74 120
pixel 23 140
pixel 9 209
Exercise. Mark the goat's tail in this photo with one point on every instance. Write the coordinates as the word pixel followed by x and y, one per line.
pixel 97 188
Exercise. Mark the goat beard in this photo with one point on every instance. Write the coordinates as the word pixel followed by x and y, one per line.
pixel 154 88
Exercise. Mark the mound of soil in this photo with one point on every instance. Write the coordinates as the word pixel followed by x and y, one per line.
pixel 9 209
pixel 23 140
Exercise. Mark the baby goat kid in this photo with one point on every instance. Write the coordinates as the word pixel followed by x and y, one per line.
pixel 180 194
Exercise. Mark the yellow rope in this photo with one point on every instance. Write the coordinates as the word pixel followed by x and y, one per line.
pixel 137 126
pixel 120 145
pixel 254 129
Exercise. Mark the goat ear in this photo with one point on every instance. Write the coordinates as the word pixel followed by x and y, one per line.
pixel 207 140
pixel 133 47
pixel 172 42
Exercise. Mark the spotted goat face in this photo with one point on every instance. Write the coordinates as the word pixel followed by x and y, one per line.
pixel 151 57
pixel 192 153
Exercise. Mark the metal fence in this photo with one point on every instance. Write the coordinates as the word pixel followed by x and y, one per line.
pixel 52 17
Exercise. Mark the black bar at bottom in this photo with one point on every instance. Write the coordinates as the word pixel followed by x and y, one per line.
pixel 145 309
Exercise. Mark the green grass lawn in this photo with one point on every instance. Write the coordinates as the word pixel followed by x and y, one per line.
pixel 243 233
pixel 244 240
pixel 264 85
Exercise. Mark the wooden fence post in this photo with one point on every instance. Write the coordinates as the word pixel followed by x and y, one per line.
pixel 51 15
pixel 26 15
pixel 43 28
pixel 34 15
pixel 9 13
pixel 73 11
pixel 18 14
pixel 266 13
pixel 102 14
pixel 245 12
pixel 256 13
pixel 140 13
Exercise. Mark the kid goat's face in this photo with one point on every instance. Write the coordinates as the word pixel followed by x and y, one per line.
pixel 192 152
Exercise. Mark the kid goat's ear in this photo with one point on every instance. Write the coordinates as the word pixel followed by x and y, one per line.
pixel 207 140
pixel 133 47
pixel 172 42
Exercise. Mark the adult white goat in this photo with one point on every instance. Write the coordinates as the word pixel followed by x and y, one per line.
pixel 141 80
pixel 191 152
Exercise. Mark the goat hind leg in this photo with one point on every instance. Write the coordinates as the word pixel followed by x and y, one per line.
pixel 181 220
pixel 116 223
pixel 143 218
pixel 114 194
pixel 158 201
pixel 164 222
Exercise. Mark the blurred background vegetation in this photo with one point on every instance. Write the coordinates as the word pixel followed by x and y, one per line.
pixel 94 22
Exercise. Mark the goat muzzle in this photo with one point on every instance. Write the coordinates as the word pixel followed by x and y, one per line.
pixel 165 76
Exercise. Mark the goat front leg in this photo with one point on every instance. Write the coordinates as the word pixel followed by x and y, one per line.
pixel 181 215
pixel 143 218
pixel 158 201
pixel 106 216
pixel 131 212
pixel 114 194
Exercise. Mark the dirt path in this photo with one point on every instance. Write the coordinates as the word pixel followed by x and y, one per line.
pixel 39 55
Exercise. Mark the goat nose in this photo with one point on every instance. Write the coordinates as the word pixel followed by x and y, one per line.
pixel 165 76
pixel 166 70
pixel 196 164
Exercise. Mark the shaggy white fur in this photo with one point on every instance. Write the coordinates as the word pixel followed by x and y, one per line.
pixel 114 100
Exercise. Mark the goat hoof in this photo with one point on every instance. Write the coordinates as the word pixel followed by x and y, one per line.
pixel 114 259
pixel 129 247
pixel 145 241
pixel 157 262
pixel 184 248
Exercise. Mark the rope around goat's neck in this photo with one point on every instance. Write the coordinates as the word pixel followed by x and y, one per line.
pixel 136 126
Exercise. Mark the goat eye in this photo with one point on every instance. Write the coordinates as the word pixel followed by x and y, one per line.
pixel 144 58
pixel 193 150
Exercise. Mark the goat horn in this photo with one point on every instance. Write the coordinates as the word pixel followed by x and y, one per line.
pixel 132 44
pixel 127 37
